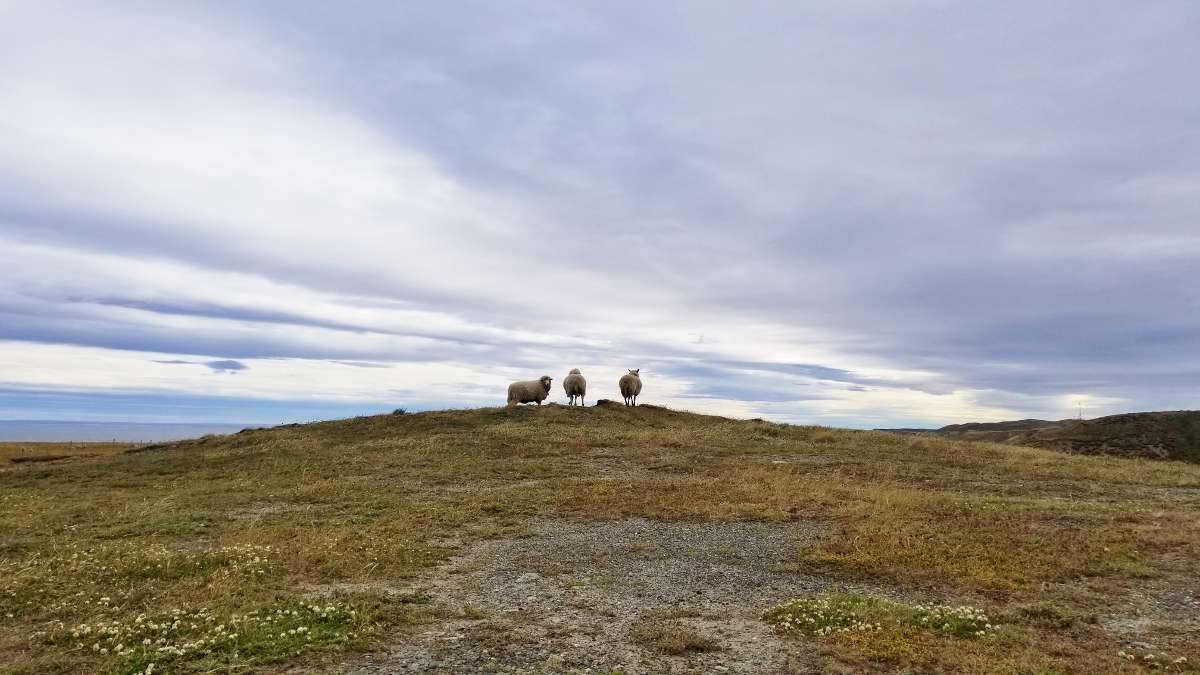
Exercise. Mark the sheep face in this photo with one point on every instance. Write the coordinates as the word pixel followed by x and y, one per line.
pixel 545 380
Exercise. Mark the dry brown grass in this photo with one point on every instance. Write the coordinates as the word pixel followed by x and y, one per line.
pixel 672 638
pixel 362 504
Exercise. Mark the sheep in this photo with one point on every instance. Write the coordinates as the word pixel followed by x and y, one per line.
pixel 575 386
pixel 631 386
pixel 529 391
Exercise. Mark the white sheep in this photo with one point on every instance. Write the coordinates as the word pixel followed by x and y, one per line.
pixel 631 386
pixel 575 386
pixel 529 391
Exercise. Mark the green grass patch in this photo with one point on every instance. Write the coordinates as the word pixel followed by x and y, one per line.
pixel 850 613
pixel 200 639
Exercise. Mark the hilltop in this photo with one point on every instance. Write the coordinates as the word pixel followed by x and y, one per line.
pixel 1160 435
pixel 614 539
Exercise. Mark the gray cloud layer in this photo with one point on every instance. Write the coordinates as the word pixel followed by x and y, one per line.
pixel 1002 199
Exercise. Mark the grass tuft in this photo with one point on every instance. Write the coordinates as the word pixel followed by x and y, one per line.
pixel 672 638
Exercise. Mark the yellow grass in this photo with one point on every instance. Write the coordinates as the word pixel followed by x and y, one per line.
pixel 21 452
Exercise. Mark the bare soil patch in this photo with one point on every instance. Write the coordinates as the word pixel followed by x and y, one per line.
pixel 1161 614
pixel 579 596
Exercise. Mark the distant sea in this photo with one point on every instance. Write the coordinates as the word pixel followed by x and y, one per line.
pixel 126 432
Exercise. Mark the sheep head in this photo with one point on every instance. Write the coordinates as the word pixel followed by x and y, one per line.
pixel 545 380
pixel 634 372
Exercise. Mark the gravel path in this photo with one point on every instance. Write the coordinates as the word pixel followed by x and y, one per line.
pixel 568 598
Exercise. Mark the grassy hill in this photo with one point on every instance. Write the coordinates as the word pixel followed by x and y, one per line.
pixel 615 539
pixel 994 430
pixel 1162 435
pixel 1168 435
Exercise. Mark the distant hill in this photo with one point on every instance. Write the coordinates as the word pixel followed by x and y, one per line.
pixel 1016 426
pixel 995 432
pixel 1159 435
pixel 1164 435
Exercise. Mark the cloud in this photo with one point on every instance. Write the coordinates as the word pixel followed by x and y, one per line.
pixel 873 213
pixel 220 366
pixel 226 366
pixel 363 364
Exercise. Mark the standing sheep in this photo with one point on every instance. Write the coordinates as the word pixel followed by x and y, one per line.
pixel 574 385
pixel 529 391
pixel 631 386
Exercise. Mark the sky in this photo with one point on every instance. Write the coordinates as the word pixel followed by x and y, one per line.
pixel 847 212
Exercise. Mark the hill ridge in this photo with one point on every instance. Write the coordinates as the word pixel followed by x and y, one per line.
pixel 1164 434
